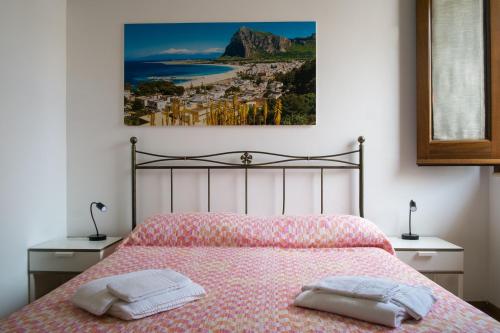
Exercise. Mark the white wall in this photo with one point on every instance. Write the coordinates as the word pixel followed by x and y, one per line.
pixel 365 86
pixel 494 240
pixel 33 136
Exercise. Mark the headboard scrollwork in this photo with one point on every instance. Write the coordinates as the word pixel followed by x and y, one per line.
pixel 225 160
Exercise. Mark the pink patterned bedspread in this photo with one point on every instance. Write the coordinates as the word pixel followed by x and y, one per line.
pixel 249 289
pixel 229 229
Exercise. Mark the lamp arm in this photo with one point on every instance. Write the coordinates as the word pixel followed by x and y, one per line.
pixel 409 220
pixel 93 220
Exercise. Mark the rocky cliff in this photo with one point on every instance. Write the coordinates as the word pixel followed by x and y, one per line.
pixel 248 43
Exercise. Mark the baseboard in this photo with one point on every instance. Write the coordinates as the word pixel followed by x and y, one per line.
pixel 488 308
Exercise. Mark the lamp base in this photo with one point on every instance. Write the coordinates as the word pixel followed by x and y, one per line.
pixel 99 237
pixel 410 236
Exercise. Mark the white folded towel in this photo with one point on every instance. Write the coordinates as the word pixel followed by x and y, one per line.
pixel 381 313
pixel 137 294
pixel 94 297
pixel 414 301
pixel 376 289
pixel 137 287
pixel 158 303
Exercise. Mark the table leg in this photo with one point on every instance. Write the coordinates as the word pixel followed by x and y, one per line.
pixel 460 285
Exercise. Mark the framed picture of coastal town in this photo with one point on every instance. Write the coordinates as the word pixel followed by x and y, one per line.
pixel 220 74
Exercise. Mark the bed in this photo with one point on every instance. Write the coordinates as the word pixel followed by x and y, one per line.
pixel 252 268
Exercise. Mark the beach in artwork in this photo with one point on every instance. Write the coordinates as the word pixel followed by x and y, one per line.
pixel 209 74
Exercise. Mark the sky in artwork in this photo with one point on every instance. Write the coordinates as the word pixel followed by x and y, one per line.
pixel 184 39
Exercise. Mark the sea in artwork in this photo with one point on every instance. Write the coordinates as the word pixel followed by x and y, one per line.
pixel 143 71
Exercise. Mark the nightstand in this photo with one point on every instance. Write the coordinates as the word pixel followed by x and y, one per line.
pixel 439 260
pixel 52 263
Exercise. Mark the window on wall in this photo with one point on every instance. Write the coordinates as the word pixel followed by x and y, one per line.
pixel 458 79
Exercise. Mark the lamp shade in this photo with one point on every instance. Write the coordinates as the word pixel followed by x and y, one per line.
pixel 413 206
pixel 102 207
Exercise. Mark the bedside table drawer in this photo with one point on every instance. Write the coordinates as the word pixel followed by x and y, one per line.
pixel 433 261
pixel 62 261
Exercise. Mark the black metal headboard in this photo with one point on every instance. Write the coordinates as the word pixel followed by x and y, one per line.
pixel 213 161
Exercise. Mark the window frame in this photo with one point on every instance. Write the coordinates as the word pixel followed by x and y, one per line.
pixel 459 152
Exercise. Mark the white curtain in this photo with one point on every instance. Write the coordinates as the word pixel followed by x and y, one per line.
pixel 458 105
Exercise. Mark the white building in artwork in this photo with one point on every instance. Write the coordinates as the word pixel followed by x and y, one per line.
pixel 199 98
pixel 156 104
pixel 275 85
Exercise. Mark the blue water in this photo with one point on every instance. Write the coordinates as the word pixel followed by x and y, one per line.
pixel 139 71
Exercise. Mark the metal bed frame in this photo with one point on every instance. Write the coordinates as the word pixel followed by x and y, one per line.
pixel 209 162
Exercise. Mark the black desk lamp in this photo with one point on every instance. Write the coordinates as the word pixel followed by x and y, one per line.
pixel 410 236
pixel 102 208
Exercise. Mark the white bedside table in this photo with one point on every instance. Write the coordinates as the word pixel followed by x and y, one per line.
pixel 52 263
pixel 439 260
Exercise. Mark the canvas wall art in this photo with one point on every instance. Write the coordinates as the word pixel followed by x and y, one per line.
pixel 212 74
